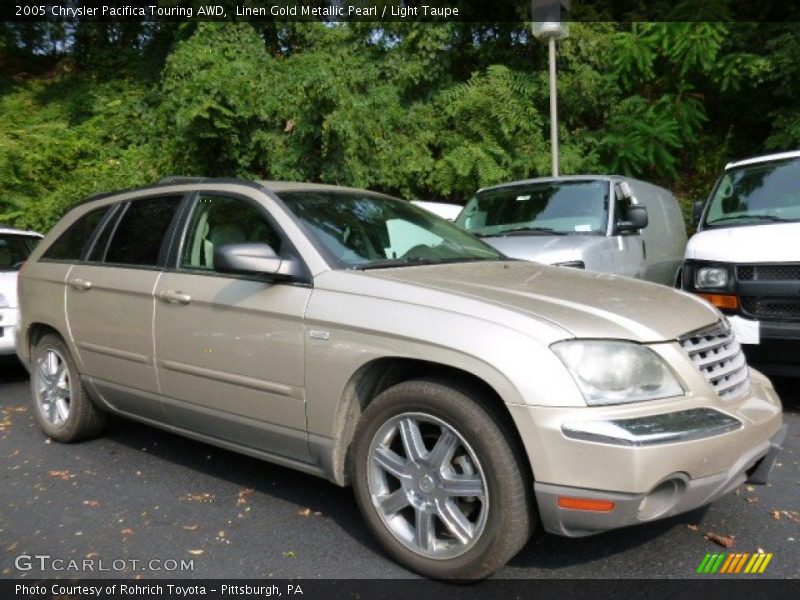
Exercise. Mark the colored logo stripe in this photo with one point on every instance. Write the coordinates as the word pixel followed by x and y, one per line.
pixel 734 562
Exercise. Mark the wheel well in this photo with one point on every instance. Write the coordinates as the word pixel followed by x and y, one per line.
pixel 38 330
pixel 380 374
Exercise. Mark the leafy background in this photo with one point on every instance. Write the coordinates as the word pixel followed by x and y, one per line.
pixel 419 111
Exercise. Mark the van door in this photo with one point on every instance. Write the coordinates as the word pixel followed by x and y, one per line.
pixel 110 305
pixel 230 349
pixel 629 250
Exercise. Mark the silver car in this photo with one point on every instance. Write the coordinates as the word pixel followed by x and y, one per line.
pixel 15 247
pixel 466 397
pixel 602 223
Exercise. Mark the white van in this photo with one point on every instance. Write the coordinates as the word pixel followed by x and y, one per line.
pixel 745 257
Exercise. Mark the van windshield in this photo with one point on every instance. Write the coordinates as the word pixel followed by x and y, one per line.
pixel 542 207
pixel 755 194
pixel 14 250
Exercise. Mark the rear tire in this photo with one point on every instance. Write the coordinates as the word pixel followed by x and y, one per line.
pixel 61 405
pixel 439 482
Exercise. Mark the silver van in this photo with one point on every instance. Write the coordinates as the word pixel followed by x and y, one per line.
pixel 601 223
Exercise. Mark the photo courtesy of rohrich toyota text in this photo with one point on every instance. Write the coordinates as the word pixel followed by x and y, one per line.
pixel 399 299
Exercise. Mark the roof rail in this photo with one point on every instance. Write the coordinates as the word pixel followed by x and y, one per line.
pixel 180 179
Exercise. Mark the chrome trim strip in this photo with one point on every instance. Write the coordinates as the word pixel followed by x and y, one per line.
pixel 115 353
pixel 667 428
pixel 234 379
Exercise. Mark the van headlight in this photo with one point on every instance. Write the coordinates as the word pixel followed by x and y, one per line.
pixel 616 372
pixel 711 277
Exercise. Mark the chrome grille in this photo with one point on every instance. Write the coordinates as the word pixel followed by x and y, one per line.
pixel 719 357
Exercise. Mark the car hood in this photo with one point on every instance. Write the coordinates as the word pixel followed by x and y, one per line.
pixel 547 249
pixel 8 287
pixel 594 305
pixel 775 242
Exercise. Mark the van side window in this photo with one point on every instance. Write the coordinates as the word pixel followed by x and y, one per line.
pixel 70 244
pixel 221 220
pixel 140 232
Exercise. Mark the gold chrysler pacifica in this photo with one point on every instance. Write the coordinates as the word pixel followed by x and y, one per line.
pixel 469 399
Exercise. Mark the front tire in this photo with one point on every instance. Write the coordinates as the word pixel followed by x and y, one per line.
pixel 439 481
pixel 61 405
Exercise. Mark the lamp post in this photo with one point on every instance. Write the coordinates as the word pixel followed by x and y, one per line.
pixel 548 25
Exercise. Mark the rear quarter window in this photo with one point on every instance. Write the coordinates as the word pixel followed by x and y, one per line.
pixel 70 245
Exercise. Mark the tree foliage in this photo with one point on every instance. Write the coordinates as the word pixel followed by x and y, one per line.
pixel 422 111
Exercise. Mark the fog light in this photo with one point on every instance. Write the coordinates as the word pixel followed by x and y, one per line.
pixel 661 499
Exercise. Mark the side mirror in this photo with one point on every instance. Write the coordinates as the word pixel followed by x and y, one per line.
pixel 635 219
pixel 255 259
pixel 697 212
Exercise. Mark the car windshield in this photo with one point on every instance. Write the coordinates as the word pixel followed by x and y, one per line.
pixel 365 231
pixel 14 250
pixel 760 193
pixel 546 207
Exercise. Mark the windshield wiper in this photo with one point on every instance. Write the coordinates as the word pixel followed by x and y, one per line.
pixel 417 261
pixel 770 218
pixel 524 231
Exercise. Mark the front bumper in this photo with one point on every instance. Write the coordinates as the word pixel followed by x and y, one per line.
pixel 676 494
pixel 8 324
pixel 650 480
pixel 774 346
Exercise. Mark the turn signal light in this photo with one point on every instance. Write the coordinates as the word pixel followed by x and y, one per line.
pixel 585 504
pixel 722 300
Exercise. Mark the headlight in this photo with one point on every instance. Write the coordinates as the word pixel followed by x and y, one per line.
pixel 616 372
pixel 711 277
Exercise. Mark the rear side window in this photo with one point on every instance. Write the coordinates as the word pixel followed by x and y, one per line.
pixel 71 243
pixel 139 234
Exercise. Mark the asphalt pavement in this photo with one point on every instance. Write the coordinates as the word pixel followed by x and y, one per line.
pixel 139 494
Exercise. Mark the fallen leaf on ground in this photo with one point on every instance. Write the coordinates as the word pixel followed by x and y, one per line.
pixel 92 503
pixel 750 488
pixel 196 552
pixel 243 494
pixel 306 512
pixel 776 514
pixel 190 527
pixel 65 475
pixel 791 515
pixel 204 497
pixel 289 554
pixel 693 527
pixel 752 499
pixel 723 540
pixel 127 531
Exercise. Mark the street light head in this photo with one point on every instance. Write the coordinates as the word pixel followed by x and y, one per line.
pixel 549 18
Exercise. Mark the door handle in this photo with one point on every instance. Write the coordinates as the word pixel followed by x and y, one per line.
pixel 80 284
pixel 173 297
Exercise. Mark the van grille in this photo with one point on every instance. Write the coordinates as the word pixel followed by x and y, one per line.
pixel 775 272
pixel 773 308
pixel 719 357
